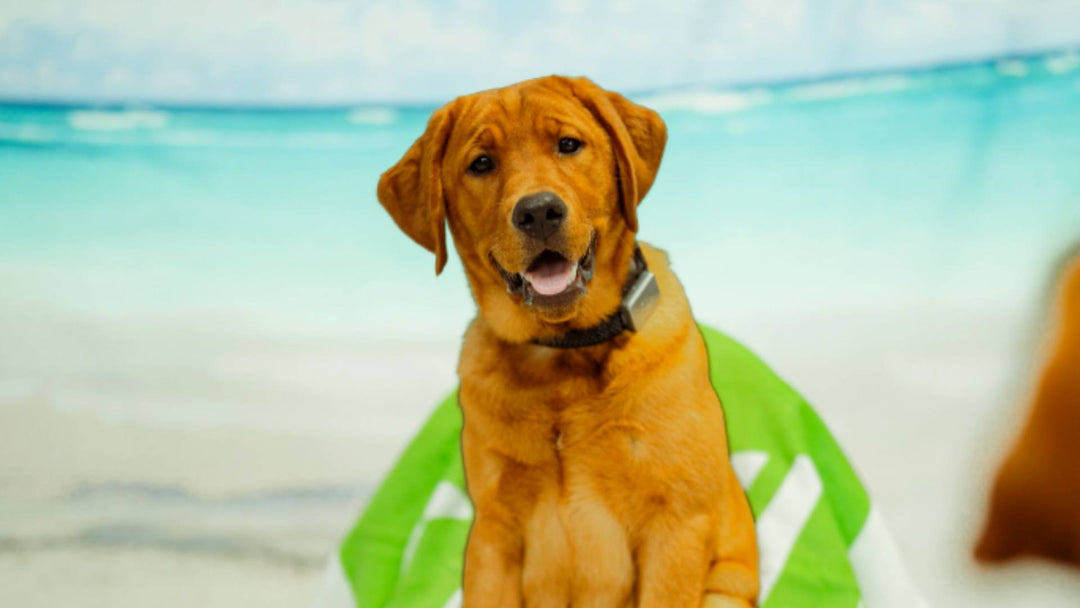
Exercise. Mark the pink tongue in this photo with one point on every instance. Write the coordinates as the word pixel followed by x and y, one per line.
pixel 552 277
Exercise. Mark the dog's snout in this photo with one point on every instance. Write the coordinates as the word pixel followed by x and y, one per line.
pixel 539 215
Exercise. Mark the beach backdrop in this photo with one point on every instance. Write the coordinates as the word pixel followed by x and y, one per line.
pixel 214 341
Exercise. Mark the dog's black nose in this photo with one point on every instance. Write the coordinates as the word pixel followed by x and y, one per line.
pixel 539 215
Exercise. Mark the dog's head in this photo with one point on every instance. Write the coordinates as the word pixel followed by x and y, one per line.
pixel 540 183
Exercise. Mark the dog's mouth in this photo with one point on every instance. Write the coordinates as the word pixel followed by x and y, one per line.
pixel 551 279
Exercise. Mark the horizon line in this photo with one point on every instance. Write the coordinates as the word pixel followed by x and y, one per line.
pixel 250 106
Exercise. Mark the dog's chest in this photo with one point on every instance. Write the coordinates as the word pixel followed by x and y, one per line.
pixel 578 449
pixel 578 513
pixel 570 433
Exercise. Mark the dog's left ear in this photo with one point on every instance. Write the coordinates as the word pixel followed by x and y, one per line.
pixel 638 135
pixel 412 192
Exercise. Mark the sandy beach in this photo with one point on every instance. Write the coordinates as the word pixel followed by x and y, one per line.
pixel 118 510
pixel 220 471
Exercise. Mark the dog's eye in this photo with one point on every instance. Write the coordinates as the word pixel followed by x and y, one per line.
pixel 481 164
pixel 569 145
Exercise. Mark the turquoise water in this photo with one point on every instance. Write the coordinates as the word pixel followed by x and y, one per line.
pixel 951 185
pixel 226 273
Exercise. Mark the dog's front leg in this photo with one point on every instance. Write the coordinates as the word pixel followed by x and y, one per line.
pixel 493 558
pixel 495 550
pixel 733 580
pixel 672 562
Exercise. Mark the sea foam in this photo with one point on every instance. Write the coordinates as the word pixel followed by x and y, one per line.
pixel 1064 63
pixel 373 116
pixel 851 87
pixel 117 120
pixel 708 102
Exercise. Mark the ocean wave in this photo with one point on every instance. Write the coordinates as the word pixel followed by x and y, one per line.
pixel 117 120
pixel 708 102
pixel 209 138
pixel 376 117
pixel 851 87
pixel 1014 68
pixel 26 133
pixel 704 101
pixel 41 134
pixel 1064 63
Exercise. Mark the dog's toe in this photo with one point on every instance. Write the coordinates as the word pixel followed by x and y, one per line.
pixel 723 601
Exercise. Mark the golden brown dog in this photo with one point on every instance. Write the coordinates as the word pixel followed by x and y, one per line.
pixel 600 474
pixel 1035 505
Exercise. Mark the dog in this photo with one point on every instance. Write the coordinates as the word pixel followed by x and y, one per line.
pixel 1035 501
pixel 594 445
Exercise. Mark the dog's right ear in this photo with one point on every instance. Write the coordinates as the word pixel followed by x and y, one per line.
pixel 411 191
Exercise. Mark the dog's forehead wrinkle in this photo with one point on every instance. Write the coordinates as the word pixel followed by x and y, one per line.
pixel 510 100
pixel 549 125
pixel 488 136
pixel 482 111
pixel 565 123
pixel 522 120
pixel 478 139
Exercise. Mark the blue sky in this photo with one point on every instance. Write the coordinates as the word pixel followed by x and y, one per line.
pixel 331 52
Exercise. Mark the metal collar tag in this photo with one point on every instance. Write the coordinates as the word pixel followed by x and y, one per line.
pixel 640 301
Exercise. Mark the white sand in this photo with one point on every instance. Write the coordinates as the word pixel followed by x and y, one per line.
pixel 108 578
pixel 150 465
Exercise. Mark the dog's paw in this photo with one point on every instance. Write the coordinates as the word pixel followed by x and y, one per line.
pixel 713 600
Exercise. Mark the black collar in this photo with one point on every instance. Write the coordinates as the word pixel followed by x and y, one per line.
pixel 640 295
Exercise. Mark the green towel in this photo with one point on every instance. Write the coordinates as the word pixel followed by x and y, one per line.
pixel 821 543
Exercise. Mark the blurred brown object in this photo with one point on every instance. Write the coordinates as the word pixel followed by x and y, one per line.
pixel 1035 503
